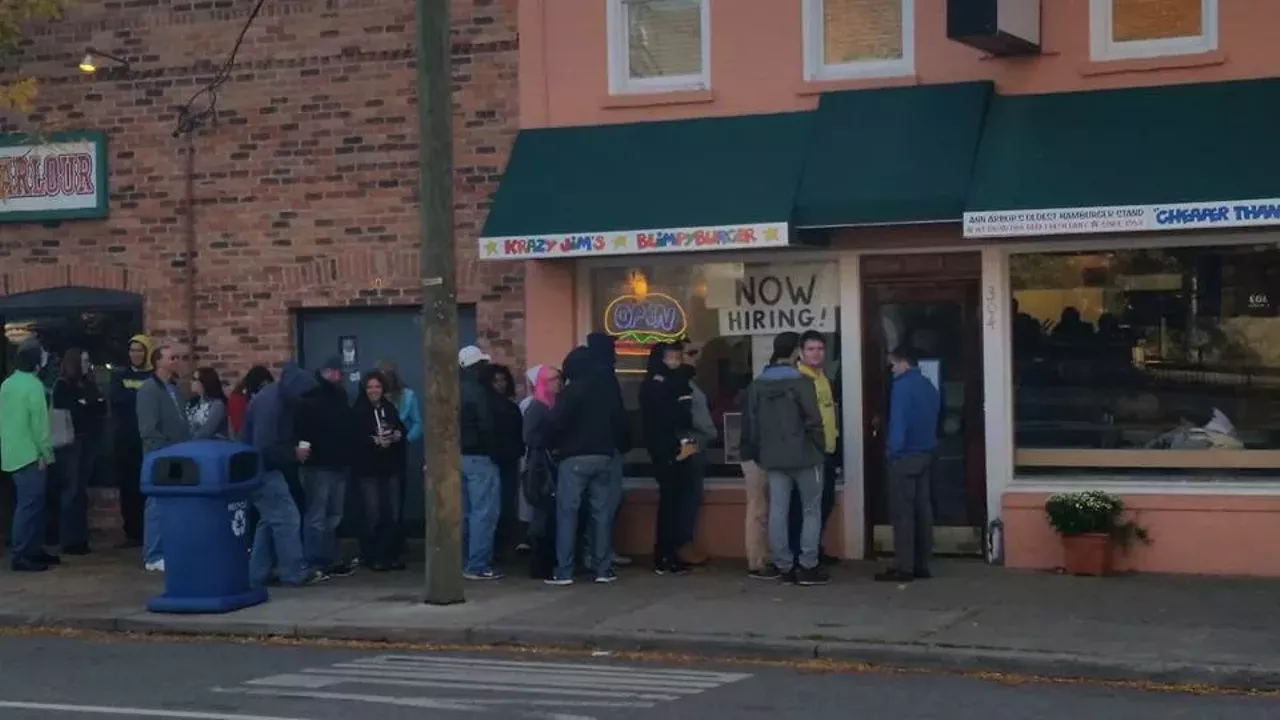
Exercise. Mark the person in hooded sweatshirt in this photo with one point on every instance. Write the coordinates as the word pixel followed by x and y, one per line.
pixel 586 422
pixel 325 420
pixel 782 434
pixel 605 353
pixel 269 427
pixel 481 479
pixel 128 443
pixel 26 453
pixel 666 410
pixel 538 481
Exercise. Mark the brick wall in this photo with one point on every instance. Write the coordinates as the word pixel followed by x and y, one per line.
pixel 305 189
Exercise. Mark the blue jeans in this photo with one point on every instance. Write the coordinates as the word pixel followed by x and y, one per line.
pixel 325 492
pixel 594 477
pixel 781 482
pixel 277 541
pixel 588 541
pixel 28 513
pixel 74 466
pixel 152 540
pixel 481 505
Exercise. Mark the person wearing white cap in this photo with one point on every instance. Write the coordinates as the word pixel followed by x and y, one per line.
pixel 481 480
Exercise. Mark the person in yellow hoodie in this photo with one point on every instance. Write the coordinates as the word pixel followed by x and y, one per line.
pixel 128 444
pixel 813 359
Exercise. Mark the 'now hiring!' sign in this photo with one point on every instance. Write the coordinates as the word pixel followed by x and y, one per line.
pixel 770 299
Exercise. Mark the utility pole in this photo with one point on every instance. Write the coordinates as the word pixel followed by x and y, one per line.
pixel 442 461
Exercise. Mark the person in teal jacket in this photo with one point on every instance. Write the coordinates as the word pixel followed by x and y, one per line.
pixel 26 453
pixel 406 402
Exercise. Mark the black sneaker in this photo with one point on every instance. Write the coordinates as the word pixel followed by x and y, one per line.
pixel 808 577
pixel 397 566
pixel 825 559
pixel 788 576
pixel 341 569
pixel 27 565
pixel 768 572
pixel 47 559
pixel 608 576
pixel 671 567
pixel 894 576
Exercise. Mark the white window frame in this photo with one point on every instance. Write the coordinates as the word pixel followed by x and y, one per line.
pixel 1102 48
pixel 817 70
pixel 619 40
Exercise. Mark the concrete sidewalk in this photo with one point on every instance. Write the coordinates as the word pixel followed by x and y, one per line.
pixel 970 617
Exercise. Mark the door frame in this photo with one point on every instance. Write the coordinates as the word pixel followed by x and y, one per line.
pixel 965 283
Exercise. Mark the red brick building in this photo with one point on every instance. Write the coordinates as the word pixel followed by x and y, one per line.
pixel 304 190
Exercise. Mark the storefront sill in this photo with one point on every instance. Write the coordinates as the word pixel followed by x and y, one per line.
pixel 1169 62
pixel 1123 486
pixel 818 87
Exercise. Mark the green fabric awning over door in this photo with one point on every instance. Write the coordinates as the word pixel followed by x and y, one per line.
pixel 892 156
pixel 700 184
pixel 1184 157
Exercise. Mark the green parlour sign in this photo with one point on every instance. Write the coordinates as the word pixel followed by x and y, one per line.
pixel 60 176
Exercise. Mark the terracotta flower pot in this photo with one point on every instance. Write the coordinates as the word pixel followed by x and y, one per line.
pixel 1087 554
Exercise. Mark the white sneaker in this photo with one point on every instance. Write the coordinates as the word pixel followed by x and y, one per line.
pixel 157 566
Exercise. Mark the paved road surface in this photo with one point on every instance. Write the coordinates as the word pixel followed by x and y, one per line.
pixel 78 678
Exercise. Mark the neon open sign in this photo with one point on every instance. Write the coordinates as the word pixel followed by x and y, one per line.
pixel 640 321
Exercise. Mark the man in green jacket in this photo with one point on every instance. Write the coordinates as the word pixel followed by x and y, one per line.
pixel 25 453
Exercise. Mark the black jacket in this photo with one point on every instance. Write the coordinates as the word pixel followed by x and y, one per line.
pixel 588 418
pixel 508 429
pixel 323 418
pixel 666 402
pixel 86 404
pixel 369 460
pixel 604 352
pixel 475 421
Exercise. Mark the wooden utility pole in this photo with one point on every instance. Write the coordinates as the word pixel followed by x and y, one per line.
pixel 442 461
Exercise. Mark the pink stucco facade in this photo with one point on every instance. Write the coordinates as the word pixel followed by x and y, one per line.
pixel 757 66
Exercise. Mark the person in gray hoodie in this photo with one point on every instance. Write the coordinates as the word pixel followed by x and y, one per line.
pixel 268 426
pixel 161 422
pixel 782 433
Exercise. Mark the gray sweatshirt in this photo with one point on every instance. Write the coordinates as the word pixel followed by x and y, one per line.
pixel 161 420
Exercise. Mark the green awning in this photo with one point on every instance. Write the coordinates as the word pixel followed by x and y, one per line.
pixel 893 155
pixel 700 184
pixel 1158 158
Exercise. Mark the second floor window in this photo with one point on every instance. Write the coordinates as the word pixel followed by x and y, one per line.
pixel 1135 29
pixel 851 39
pixel 658 45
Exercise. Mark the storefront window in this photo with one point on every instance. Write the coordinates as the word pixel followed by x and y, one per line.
pixel 1151 362
pixel 729 314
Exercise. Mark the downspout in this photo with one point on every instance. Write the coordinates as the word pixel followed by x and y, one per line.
pixel 190 232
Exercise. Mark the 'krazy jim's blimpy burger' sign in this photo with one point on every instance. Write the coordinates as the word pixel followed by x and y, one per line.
pixel 59 177
pixel 635 242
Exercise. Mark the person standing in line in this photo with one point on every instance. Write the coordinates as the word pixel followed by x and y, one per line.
pixel 77 393
pixel 269 427
pixel 586 421
pixel 813 361
pixel 207 408
pixel 379 444
pixel 525 510
pixel 539 475
pixel 242 394
pixel 162 422
pixel 508 450
pixel 666 403
pixel 481 481
pixel 406 402
pixel 782 433
pixel 26 453
pixel 325 423
pixel 605 353
pixel 756 526
pixel 128 446
pixel 704 433
pixel 914 404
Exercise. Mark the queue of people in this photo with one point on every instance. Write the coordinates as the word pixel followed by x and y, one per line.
pixel 542 476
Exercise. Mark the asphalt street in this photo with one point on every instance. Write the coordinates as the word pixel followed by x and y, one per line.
pixel 78 678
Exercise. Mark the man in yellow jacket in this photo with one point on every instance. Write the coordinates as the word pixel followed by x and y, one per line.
pixel 813 359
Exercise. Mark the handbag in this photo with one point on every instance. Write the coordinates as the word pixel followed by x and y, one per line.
pixel 62 431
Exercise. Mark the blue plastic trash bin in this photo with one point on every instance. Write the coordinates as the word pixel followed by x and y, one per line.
pixel 203 489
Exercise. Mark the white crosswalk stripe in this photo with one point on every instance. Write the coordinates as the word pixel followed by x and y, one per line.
pixel 469 684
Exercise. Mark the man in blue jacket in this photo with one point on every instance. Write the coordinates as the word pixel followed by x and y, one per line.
pixel 269 427
pixel 914 404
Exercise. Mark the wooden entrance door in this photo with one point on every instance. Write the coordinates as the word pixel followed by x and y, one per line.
pixel 941 321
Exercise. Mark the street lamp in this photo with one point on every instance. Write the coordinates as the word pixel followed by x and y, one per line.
pixel 89 64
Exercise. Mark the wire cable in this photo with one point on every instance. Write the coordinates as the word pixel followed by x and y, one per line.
pixel 190 120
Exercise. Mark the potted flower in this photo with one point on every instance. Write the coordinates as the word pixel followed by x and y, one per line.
pixel 1092 525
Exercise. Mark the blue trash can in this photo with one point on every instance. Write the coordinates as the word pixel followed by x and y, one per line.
pixel 203 489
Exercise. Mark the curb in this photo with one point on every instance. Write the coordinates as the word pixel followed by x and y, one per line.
pixel 887 656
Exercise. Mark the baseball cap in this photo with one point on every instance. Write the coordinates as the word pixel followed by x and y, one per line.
pixel 331 363
pixel 470 355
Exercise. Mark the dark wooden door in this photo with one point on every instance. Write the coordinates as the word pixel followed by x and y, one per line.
pixel 941 321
